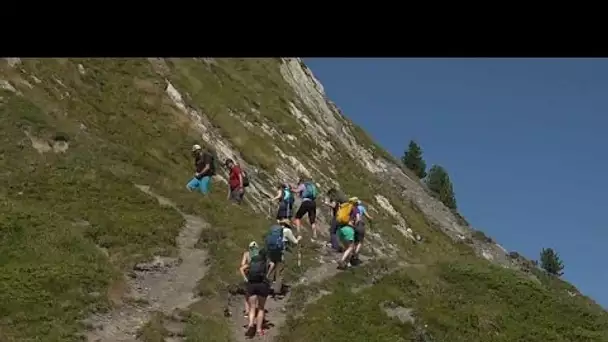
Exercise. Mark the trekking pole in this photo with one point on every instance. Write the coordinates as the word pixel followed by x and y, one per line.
pixel 299 256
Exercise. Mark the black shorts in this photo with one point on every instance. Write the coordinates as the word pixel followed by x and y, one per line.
pixel 285 211
pixel 275 256
pixel 359 232
pixel 258 289
pixel 307 207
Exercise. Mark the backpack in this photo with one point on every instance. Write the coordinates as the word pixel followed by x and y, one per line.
pixel 288 196
pixel 257 269
pixel 213 164
pixel 344 212
pixel 274 239
pixel 245 178
pixel 310 191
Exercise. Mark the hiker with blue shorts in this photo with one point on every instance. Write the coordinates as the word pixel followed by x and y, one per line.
pixel 204 170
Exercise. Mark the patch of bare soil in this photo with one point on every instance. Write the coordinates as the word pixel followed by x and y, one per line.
pixel 164 284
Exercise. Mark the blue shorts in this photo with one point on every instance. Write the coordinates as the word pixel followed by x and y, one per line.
pixel 202 184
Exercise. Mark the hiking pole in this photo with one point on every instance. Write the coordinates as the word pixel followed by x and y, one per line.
pixel 299 256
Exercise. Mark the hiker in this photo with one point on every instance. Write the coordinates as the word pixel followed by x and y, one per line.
pixel 285 198
pixel 204 170
pixel 307 191
pixel 252 251
pixel 276 242
pixel 236 182
pixel 345 217
pixel 333 200
pixel 255 274
pixel 361 215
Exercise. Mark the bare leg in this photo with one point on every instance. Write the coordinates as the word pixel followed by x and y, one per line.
pixel 246 306
pixel 347 252
pixel 252 306
pixel 298 224
pixel 314 230
pixel 261 314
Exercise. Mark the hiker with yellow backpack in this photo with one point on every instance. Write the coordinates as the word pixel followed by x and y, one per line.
pixel 346 216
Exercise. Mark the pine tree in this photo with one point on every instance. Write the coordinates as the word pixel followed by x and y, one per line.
pixel 412 159
pixel 550 261
pixel 439 182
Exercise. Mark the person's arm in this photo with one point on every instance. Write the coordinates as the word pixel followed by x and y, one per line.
pixel 245 258
pixel 240 173
pixel 289 235
pixel 329 203
pixel 367 215
pixel 270 268
pixel 278 196
pixel 242 269
pixel 206 160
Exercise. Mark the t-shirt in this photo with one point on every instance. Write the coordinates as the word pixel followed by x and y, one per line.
pixel 234 181
pixel 203 159
pixel 361 210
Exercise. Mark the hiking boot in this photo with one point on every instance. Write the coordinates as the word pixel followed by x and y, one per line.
pixel 250 331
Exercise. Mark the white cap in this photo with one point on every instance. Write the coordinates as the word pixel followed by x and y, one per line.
pixel 196 147
pixel 253 244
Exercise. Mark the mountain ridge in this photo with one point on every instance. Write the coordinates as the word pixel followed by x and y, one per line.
pixel 96 127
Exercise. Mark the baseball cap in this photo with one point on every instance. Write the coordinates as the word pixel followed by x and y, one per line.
pixel 253 244
pixel 196 147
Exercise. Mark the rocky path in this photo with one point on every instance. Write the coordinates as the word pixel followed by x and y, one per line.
pixel 165 284
pixel 277 313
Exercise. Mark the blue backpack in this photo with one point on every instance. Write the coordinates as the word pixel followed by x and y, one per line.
pixel 310 191
pixel 274 239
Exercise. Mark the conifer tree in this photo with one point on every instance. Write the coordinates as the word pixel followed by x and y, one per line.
pixel 551 262
pixel 412 159
pixel 439 182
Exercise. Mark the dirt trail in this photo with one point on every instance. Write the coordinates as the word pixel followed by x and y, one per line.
pixel 163 285
pixel 277 314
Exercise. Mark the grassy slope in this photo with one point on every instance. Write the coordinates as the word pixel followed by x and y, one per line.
pixel 52 268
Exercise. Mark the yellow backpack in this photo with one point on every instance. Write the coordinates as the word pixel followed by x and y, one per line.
pixel 343 214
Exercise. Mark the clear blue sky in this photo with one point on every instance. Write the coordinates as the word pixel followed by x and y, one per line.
pixel 525 142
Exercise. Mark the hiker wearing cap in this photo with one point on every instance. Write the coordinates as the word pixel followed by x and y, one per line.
pixel 346 217
pixel 285 198
pixel 252 251
pixel 276 242
pixel 361 214
pixel 307 191
pixel 236 182
pixel 334 198
pixel 204 170
pixel 255 274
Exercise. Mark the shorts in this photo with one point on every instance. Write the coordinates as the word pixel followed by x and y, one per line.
pixel 285 211
pixel 360 232
pixel 307 207
pixel 347 233
pixel 258 289
pixel 275 256
pixel 203 184
pixel 236 195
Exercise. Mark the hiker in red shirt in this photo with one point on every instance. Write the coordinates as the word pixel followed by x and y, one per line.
pixel 236 182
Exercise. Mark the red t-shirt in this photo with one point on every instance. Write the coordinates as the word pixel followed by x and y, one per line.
pixel 234 181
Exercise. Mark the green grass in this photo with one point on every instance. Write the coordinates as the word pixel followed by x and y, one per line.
pixel 73 222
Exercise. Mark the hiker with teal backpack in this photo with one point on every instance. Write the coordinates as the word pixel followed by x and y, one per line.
pixel 286 199
pixel 276 242
pixel 257 288
pixel 308 193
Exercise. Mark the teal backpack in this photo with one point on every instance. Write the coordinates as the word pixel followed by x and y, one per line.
pixel 288 196
pixel 310 191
